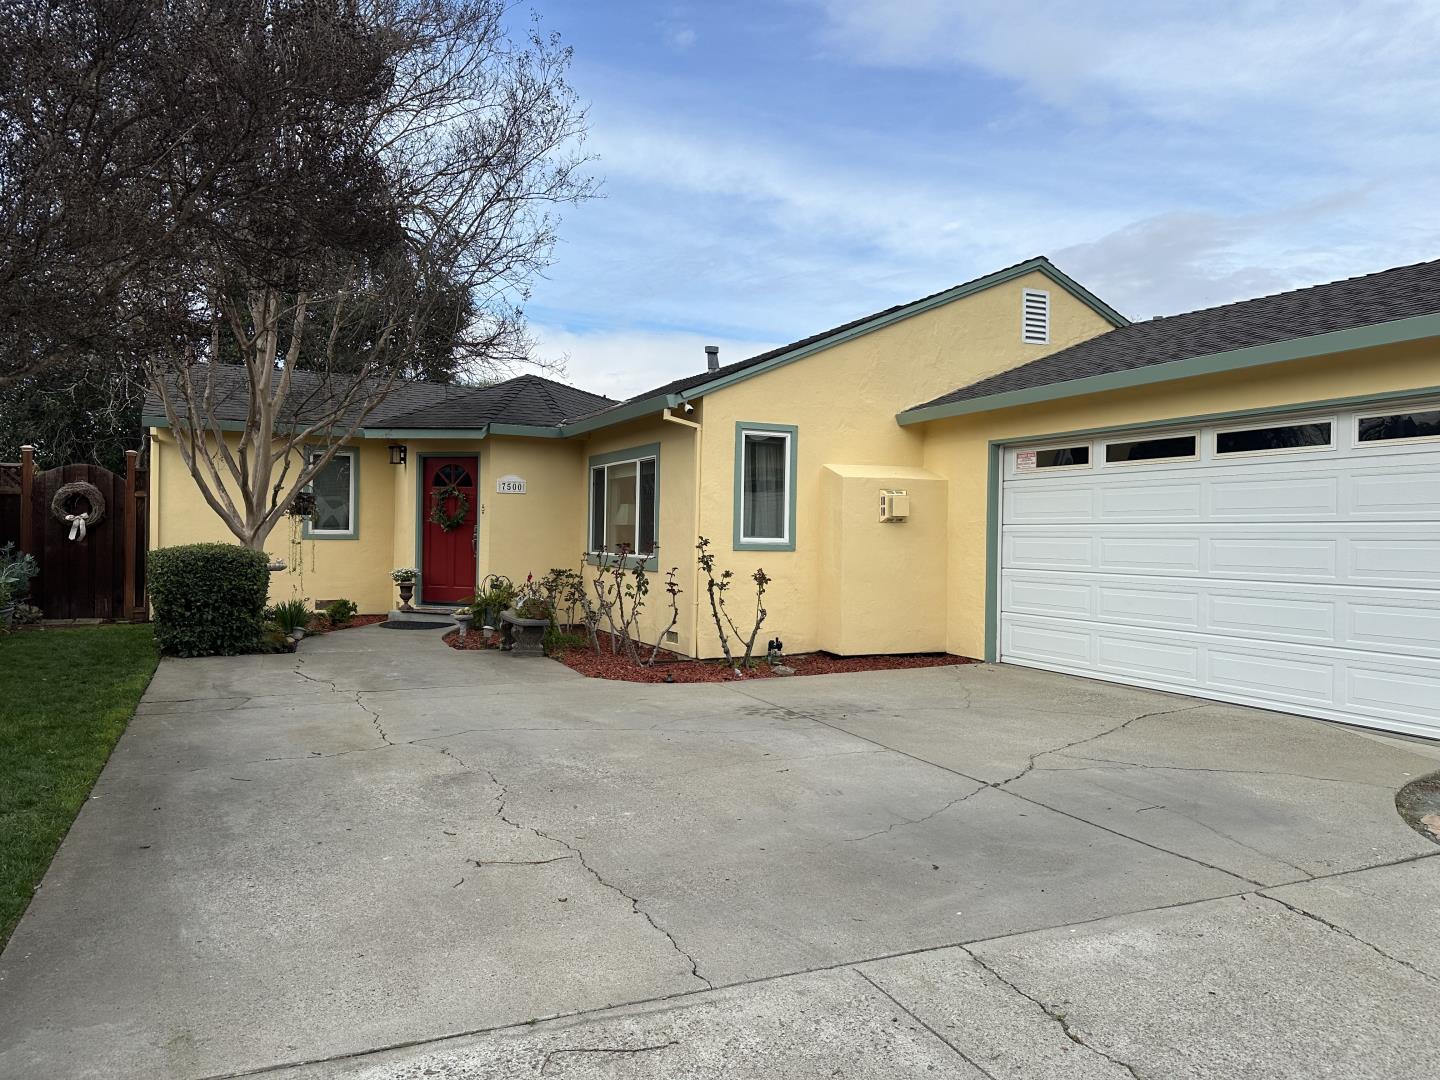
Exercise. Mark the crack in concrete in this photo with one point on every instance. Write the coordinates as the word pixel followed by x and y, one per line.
pixel 279 1067
pixel 916 1017
pixel 1201 769
pixel 521 862
pixel 500 800
pixel 1030 765
pixel 1167 809
pixel 1350 934
pixel 552 1054
pixel 914 821
pixel 1059 1017
pixel 634 903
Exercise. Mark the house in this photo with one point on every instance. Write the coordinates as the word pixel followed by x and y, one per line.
pixel 1241 503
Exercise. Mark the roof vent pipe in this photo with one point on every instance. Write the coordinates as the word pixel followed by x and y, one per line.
pixel 712 357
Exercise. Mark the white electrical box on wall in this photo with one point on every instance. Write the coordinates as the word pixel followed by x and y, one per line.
pixel 894 504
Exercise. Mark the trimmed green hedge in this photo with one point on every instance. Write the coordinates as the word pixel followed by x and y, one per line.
pixel 209 599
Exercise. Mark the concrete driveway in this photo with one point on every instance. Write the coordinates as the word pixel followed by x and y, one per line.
pixel 384 858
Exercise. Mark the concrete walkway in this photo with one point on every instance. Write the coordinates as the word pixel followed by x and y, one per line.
pixel 384 858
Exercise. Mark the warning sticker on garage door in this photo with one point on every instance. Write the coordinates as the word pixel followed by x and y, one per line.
pixel 1024 459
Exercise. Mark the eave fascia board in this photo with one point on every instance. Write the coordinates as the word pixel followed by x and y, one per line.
pixel 620 414
pixel 423 433
pixel 1394 332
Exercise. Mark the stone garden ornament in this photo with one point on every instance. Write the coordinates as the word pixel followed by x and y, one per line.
pixel 79 505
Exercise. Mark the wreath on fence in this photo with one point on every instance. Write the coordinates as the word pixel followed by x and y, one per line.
pixel 444 518
pixel 64 507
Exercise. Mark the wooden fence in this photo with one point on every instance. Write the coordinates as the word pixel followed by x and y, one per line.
pixel 99 577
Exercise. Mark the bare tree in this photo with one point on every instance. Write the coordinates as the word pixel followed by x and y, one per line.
pixel 311 186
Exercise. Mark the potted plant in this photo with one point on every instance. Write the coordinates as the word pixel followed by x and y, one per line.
pixel 527 620
pixel 292 616
pixel 404 576
pixel 7 606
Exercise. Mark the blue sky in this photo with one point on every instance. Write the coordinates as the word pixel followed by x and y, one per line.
pixel 771 169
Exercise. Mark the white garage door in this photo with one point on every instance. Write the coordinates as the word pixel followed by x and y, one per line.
pixel 1289 562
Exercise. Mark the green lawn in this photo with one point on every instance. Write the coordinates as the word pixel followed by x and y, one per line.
pixel 65 697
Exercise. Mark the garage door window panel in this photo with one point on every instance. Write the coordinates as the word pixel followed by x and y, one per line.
pixel 1277 438
pixel 1421 425
pixel 1163 448
pixel 1063 457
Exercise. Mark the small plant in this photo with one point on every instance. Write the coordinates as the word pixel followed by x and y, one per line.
pixel 716 588
pixel 557 641
pixel 673 591
pixel 5 616
pixel 621 579
pixel 404 575
pixel 531 602
pixel 291 615
pixel 17 569
pixel 340 612
pixel 498 595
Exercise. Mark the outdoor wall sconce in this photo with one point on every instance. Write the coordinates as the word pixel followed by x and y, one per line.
pixel 398 453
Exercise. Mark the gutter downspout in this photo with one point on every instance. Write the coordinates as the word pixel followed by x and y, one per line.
pixel 669 417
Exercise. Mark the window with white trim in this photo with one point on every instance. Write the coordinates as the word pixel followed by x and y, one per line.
pixel 1163 448
pixel 334 491
pixel 623 506
pixel 765 475
pixel 1398 426
pixel 1035 317
pixel 1276 437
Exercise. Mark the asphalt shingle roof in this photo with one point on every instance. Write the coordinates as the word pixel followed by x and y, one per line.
pixel 1400 293
pixel 526 399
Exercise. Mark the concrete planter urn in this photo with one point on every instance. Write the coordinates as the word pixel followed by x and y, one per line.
pixel 523 637
pixel 463 619
pixel 407 590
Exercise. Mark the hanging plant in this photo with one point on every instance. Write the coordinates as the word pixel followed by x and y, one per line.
pixel 448 520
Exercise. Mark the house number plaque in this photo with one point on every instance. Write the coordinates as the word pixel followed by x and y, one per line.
pixel 510 485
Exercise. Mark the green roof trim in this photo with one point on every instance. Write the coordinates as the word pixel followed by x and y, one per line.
pixel 1394 332
pixel 633 410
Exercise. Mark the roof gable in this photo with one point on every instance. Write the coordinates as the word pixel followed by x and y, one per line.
pixel 1337 315
pixel 705 382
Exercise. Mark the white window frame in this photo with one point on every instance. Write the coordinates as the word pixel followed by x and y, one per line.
pixel 353 496
pixel 1370 444
pixel 1105 445
pixel 605 467
pixel 1288 421
pixel 789 469
pixel 1046 470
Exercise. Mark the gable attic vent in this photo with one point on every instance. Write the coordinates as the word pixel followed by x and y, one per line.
pixel 1035 317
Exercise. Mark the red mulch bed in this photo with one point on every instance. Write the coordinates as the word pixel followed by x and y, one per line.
pixel 322 626
pixel 608 666
pixel 474 641
pixel 671 668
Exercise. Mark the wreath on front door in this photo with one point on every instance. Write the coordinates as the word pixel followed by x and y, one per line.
pixel 448 520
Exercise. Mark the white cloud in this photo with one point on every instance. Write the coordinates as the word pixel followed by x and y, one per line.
pixel 1185 61
pixel 623 363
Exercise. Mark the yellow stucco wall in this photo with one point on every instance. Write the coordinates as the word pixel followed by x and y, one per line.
pixel 883 580
pixel 958 448
pixel 843 401
pixel 317 569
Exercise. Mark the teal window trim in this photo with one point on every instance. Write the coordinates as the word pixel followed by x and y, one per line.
pixel 616 457
pixel 352 533
pixel 740 543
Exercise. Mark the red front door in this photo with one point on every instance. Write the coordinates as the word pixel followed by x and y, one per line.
pixel 447 555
